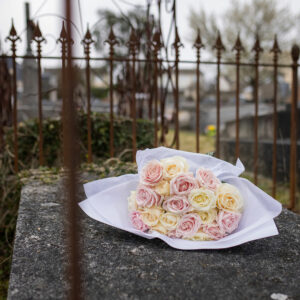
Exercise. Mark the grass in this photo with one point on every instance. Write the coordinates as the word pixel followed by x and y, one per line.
pixel 187 141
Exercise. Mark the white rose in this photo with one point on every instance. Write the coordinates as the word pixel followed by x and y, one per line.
pixel 169 220
pixel 132 201
pixel 160 228
pixel 207 217
pixel 150 216
pixel 173 166
pixel 163 188
pixel 202 199
pixel 200 236
pixel 229 198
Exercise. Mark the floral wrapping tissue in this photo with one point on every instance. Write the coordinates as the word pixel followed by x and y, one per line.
pixel 114 201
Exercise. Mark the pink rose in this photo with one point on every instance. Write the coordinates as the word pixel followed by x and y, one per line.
pixel 183 183
pixel 152 173
pixel 136 221
pixel 228 221
pixel 147 197
pixel 188 225
pixel 174 234
pixel 214 231
pixel 176 204
pixel 207 179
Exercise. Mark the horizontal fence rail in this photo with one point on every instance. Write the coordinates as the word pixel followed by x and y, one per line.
pixel 127 85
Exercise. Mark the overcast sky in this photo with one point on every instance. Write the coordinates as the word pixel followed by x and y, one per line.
pixel 46 12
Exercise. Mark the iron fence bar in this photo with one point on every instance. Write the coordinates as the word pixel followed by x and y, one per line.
pixel 112 41
pixel 87 41
pixel 133 45
pixel 13 37
pixel 71 162
pixel 257 49
pixel 177 44
pixel 63 39
pixel 198 45
pixel 156 43
pixel 38 38
pixel 238 47
pixel 219 47
pixel 293 148
pixel 276 51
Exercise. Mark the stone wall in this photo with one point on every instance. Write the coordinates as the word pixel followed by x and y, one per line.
pixel 265 149
pixel 120 265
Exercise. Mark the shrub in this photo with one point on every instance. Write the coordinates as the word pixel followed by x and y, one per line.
pixel 28 147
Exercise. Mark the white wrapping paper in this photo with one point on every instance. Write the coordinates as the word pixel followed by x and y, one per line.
pixel 107 201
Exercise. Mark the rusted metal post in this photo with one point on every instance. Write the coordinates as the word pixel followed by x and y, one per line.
pixel 133 46
pixel 38 38
pixel 219 47
pixel 87 41
pixel 293 152
pixel 156 44
pixel 177 44
pixel 112 41
pixel 198 45
pixel 238 47
pixel 276 50
pixel 13 37
pixel 257 49
pixel 71 162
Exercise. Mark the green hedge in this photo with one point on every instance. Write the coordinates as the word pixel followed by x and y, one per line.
pixel 52 133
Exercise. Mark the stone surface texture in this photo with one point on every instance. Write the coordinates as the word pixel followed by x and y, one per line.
pixel 119 265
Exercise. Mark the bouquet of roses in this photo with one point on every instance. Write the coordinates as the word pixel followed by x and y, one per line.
pixel 188 200
pixel 171 200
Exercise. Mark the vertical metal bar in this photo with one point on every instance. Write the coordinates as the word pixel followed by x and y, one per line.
pixel 133 108
pixel 13 37
pixel 177 44
pixel 198 45
pixel 38 38
pixel 87 41
pixel 238 47
pixel 15 114
pixel 293 150
pixel 71 161
pixel 276 51
pixel 219 47
pixel 111 41
pixel 257 49
pixel 156 43
pixel 155 104
pixel 133 44
pixel 63 40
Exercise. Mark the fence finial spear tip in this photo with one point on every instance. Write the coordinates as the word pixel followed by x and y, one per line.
pixel 63 32
pixel 219 44
pixel 198 42
pixel 257 48
pixel 112 40
pixel 275 49
pixel 238 46
pixel 133 41
pixel 37 31
pixel 12 31
pixel 156 40
pixel 177 42
pixel 88 35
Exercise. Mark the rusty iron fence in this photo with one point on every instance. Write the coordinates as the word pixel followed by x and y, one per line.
pixel 155 102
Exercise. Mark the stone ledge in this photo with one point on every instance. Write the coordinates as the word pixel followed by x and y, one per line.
pixel 119 265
